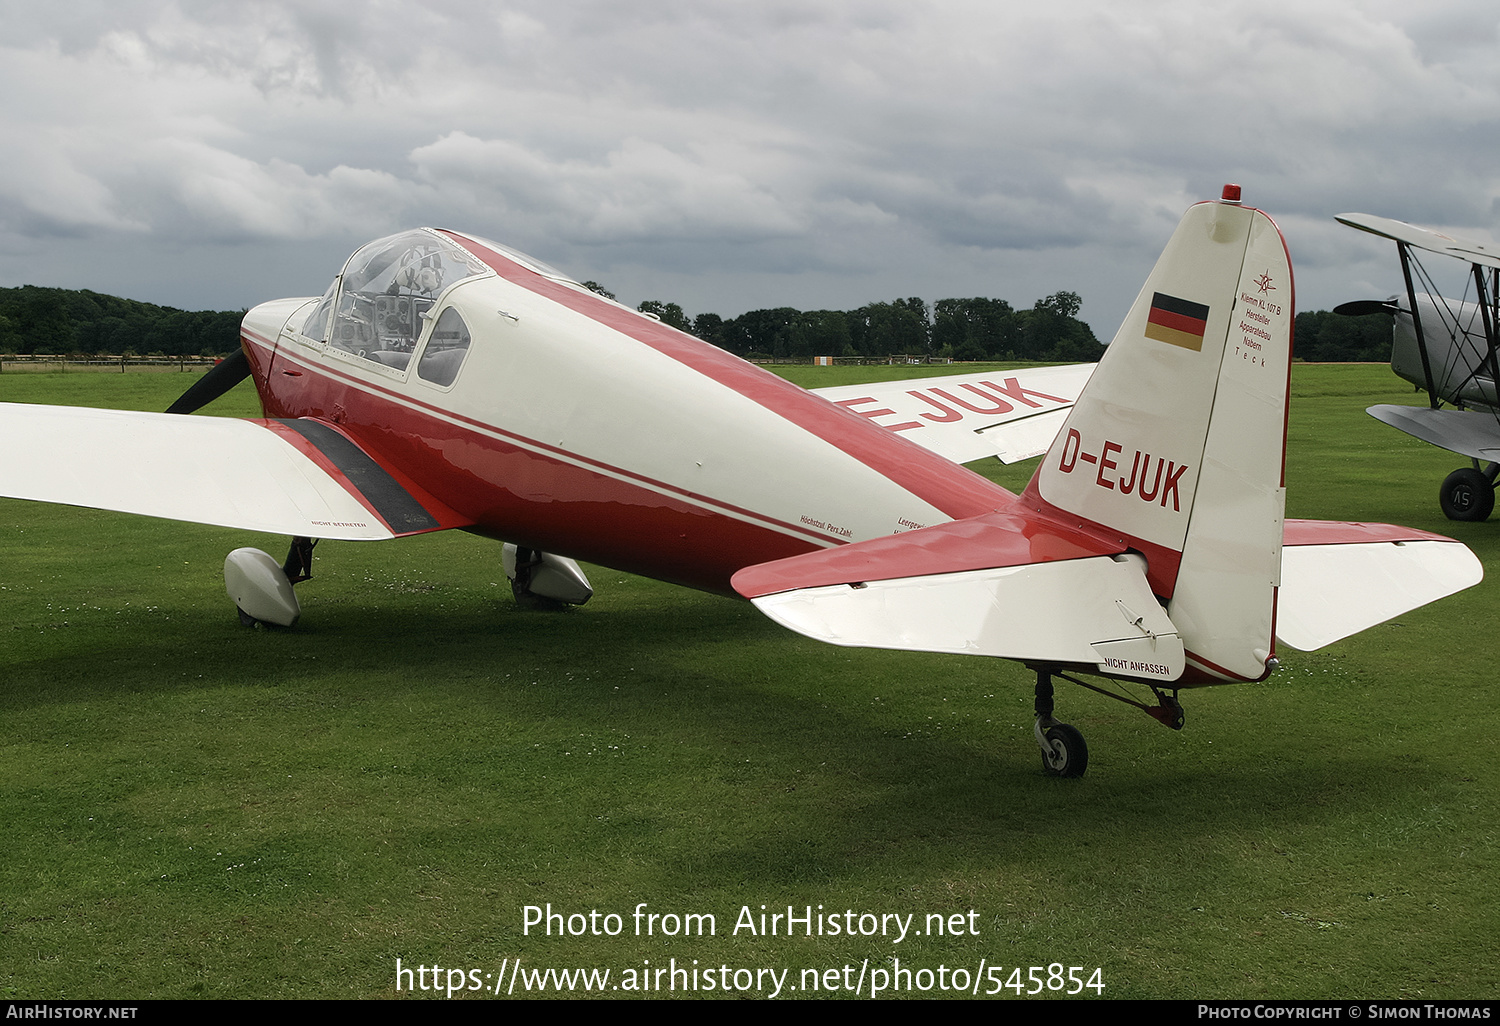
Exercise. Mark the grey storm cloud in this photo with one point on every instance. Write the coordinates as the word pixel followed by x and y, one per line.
pixel 731 155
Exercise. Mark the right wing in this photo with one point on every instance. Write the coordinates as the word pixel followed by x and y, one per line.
pixel 298 477
pixel 1013 414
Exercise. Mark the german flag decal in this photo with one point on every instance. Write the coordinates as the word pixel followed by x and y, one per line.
pixel 1177 322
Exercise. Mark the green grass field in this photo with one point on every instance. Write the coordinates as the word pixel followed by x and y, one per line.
pixel 192 809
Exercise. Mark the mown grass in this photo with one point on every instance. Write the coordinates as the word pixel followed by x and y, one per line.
pixel 192 809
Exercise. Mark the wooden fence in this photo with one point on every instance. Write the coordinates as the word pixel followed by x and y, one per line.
pixel 118 364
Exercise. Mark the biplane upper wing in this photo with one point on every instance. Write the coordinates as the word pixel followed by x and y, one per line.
pixel 1013 415
pixel 299 477
pixel 1474 252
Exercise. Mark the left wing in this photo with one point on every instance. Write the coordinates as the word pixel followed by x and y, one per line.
pixel 298 477
pixel 1011 414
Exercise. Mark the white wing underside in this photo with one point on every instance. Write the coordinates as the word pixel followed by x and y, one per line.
pixel 1329 592
pixel 207 470
pixel 962 417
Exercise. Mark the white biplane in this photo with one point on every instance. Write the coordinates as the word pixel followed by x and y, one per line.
pixel 1447 348
pixel 444 381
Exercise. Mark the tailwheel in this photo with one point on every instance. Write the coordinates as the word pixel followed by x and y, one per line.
pixel 1064 752
pixel 1167 710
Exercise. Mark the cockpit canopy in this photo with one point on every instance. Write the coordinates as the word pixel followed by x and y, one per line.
pixel 376 307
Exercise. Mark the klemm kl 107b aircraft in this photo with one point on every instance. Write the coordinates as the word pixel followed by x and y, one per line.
pixel 1446 347
pixel 444 381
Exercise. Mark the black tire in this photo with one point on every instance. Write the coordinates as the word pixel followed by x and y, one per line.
pixel 1070 753
pixel 1467 495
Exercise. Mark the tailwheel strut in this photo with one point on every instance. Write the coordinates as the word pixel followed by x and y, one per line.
pixel 1064 752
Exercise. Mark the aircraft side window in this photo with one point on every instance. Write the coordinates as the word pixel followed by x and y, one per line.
pixel 316 325
pixel 445 350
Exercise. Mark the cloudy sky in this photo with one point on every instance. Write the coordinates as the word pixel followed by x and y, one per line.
pixel 728 155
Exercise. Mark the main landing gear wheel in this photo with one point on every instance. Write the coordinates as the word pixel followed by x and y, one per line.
pixel 1065 754
pixel 1468 495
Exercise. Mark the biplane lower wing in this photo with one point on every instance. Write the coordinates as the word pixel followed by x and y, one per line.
pixel 300 477
pixel 1471 434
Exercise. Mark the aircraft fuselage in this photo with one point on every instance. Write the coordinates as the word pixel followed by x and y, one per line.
pixel 577 426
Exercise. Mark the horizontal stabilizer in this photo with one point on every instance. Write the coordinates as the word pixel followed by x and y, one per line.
pixel 1092 613
pixel 1339 579
pixel 1013 415
pixel 297 477
pixel 1001 584
pixel 984 542
pixel 1476 435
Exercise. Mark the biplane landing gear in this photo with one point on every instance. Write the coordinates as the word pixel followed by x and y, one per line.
pixel 1469 493
pixel 1064 752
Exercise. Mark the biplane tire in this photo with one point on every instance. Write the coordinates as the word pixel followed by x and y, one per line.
pixel 1467 495
pixel 1070 755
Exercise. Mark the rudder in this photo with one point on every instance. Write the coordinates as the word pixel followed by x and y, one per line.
pixel 1177 442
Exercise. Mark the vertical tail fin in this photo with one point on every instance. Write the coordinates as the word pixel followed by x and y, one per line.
pixel 1177 443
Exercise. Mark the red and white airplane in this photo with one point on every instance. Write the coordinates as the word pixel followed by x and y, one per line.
pixel 444 381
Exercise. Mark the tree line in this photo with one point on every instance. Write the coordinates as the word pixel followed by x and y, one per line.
pixel 960 329
pixel 47 320
pixel 67 321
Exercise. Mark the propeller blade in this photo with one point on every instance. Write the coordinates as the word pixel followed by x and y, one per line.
pixel 1360 307
pixel 221 377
